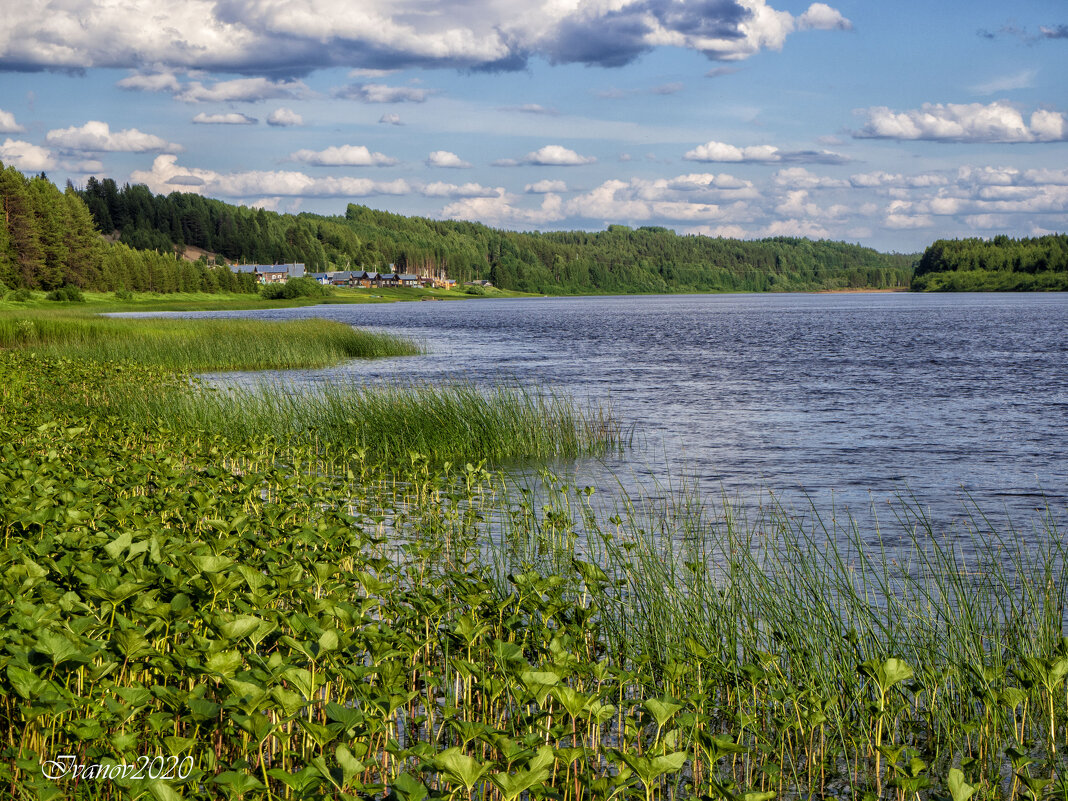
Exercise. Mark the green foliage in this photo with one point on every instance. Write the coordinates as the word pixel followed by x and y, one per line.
pixel 1001 264
pixel 620 259
pixel 228 344
pixel 20 295
pixel 68 293
pixel 50 242
pixel 303 287
pixel 302 621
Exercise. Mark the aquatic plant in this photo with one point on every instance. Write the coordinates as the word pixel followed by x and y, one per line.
pixel 284 620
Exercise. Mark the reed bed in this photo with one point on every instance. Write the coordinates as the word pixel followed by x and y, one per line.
pixel 456 422
pixel 292 622
pixel 196 345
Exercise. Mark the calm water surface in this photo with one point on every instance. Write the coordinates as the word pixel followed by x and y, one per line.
pixel 844 399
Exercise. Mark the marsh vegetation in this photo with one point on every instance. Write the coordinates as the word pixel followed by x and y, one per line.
pixel 307 611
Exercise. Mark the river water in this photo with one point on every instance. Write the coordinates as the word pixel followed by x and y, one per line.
pixel 958 401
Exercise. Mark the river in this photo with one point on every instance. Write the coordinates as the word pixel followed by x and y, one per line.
pixel 956 401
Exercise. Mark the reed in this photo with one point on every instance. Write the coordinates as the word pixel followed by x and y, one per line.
pixel 196 345
pixel 456 422
pixel 288 620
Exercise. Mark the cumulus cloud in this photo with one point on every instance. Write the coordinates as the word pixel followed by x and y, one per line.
pixel 1054 31
pixel 881 179
pixel 166 174
pixel 442 189
pixel 97 136
pixel 556 156
pixel 26 156
pixel 343 156
pixel 151 82
pixel 800 178
pixel 971 122
pixel 759 154
pixel 284 118
pixel 267 37
pixel 443 158
pixel 8 124
pixel 503 211
pixel 248 90
pixel 380 93
pixel 390 119
pixel 822 17
pixel 545 187
pixel 231 118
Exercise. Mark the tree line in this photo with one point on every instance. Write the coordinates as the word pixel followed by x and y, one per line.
pixel 621 259
pixel 1001 264
pixel 50 239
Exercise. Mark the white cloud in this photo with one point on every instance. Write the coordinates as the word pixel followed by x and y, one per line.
pixel 556 156
pixel 799 228
pixel 822 17
pixel 343 156
pixel 8 124
pixel 97 136
pixel 151 82
pixel 714 151
pixel 545 187
pixel 502 211
pixel 442 189
pixel 231 118
pixel 879 179
pixel 166 176
pixel 971 122
pixel 390 119
pixel 284 118
pixel 25 156
pixel 380 93
pixel 800 178
pixel 248 90
pixel 443 158
pixel 374 36
pixel 639 200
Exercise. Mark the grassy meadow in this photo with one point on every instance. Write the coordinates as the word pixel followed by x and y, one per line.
pixel 257 595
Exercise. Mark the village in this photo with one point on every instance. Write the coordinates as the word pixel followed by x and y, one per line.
pixel 280 273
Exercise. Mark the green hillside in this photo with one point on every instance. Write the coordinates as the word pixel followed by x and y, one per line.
pixel 1001 264
pixel 621 259
pixel 51 240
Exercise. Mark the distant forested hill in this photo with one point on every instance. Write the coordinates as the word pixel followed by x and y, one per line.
pixel 1000 264
pixel 620 259
pixel 48 239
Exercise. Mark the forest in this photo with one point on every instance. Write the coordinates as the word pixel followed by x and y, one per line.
pixel 1001 264
pixel 51 240
pixel 620 259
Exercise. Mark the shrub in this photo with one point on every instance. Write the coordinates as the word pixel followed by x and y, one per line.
pixel 21 295
pixel 295 288
pixel 68 293
pixel 123 294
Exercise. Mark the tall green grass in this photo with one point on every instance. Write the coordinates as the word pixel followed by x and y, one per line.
pixel 391 424
pixel 196 345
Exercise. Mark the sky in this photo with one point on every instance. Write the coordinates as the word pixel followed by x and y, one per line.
pixel 890 124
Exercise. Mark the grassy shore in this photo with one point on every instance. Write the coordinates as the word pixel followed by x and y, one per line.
pixel 193 345
pixel 204 301
pixel 285 612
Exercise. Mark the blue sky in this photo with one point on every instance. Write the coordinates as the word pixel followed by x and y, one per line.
pixel 888 124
